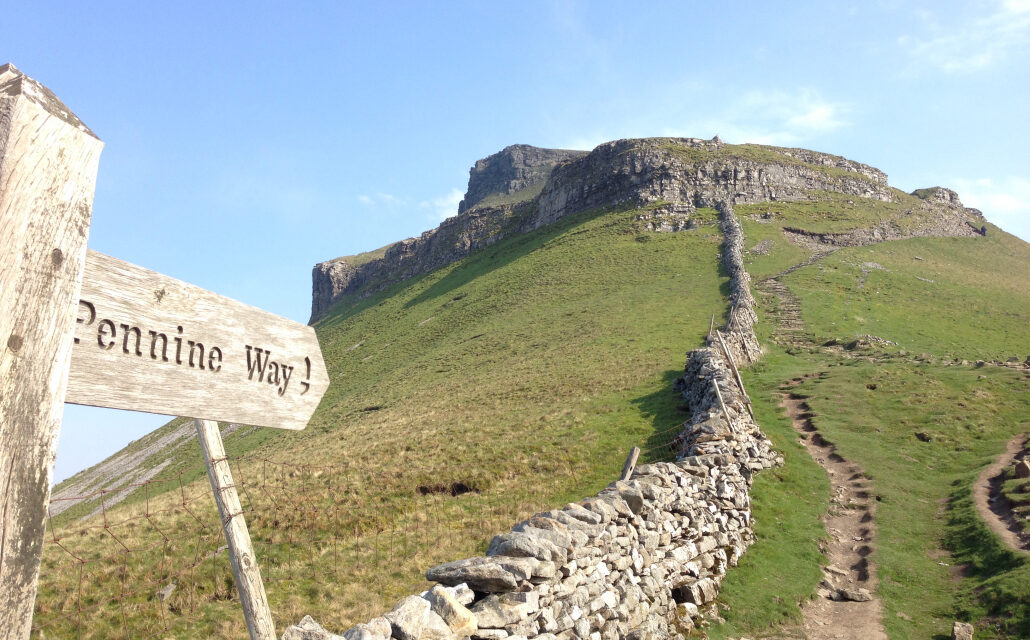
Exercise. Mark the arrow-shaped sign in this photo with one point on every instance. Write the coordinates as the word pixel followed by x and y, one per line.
pixel 147 342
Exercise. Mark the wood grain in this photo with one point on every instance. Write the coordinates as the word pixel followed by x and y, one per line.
pixel 631 464
pixel 148 342
pixel 48 168
pixel 241 553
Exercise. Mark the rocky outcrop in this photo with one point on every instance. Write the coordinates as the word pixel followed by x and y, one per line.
pixel 513 169
pixel 453 240
pixel 701 173
pixel 684 173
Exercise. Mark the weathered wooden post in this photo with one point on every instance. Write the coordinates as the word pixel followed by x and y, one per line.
pixel 630 465
pixel 48 168
pixel 241 552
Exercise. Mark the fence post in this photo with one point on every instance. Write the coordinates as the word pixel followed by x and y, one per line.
pixel 48 169
pixel 631 464
pixel 241 553
pixel 736 372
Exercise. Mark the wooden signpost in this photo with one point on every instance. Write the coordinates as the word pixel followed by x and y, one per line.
pixel 85 328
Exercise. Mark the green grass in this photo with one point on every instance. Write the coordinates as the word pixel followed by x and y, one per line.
pixel 782 254
pixel 1017 492
pixel 524 372
pixel 968 419
pixel 365 257
pixel 522 195
pixel 754 152
pixel 937 561
pixel 976 307
pixel 781 568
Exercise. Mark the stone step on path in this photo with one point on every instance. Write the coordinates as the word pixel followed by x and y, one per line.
pixel 847 607
pixel 789 327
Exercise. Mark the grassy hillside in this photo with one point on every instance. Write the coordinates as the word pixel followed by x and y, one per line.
pixel 946 302
pixel 519 376
pixel 517 379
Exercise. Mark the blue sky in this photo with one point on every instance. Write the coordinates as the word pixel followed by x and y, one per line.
pixel 247 141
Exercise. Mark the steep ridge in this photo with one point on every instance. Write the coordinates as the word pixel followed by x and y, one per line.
pixel 524 188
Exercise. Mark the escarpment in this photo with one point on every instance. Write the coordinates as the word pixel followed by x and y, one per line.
pixel 523 188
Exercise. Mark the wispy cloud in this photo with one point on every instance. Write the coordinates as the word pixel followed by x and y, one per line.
pixel 444 206
pixel 381 200
pixel 772 117
pixel 1005 201
pixel 972 45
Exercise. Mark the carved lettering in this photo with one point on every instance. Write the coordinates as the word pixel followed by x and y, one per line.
pixel 108 333
pixel 257 365
pixel 211 359
pixel 287 372
pixel 105 330
pixel 194 347
pixel 307 376
pixel 126 330
pixel 91 312
pixel 178 347
pixel 153 346
pixel 189 353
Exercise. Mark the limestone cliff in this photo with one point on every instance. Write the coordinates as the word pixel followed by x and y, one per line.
pixel 522 188
pixel 512 170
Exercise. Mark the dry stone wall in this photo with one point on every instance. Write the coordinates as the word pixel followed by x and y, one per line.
pixel 641 559
pixel 740 336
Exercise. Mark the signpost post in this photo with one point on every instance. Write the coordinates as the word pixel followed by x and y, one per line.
pixel 85 328
pixel 48 168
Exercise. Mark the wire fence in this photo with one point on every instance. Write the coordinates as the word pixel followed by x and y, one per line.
pixel 148 559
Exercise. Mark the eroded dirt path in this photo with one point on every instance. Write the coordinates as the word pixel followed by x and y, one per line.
pixel 847 607
pixel 994 509
pixel 790 329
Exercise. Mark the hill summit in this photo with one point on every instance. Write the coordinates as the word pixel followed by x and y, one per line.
pixel 522 188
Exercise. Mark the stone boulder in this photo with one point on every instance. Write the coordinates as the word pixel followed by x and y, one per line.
pixel 308 629
pixel 961 631
pixel 414 619
pixel 443 602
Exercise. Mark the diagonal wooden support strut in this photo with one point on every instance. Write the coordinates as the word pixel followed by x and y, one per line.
pixel 241 553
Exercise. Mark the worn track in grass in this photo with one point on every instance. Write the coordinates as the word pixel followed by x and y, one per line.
pixel 992 507
pixel 851 525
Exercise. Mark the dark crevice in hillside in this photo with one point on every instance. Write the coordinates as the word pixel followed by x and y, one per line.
pixel 453 489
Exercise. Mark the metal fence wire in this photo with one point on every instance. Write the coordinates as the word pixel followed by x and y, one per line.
pixel 149 560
